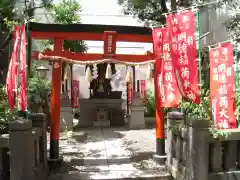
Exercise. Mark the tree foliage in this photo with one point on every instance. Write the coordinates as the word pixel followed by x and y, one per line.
pixel 7 12
pixel 66 12
pixel 150 12
pixel 10 14
pixel 147 11
pixel 233 22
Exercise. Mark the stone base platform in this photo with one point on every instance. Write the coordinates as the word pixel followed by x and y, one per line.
pixel 101 123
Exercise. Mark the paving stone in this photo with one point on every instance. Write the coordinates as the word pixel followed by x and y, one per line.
pixel 95 161
pixel 109 153
pixel 105 175
pixel 96 168
pixel 120 159
pixel 121 167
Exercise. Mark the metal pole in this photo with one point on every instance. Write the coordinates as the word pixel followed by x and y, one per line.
pixel 29 50
pixel 127 98
pixel 71 84
pixel 134 80
pixel 199 37
pixel 18 64
pixel 1 33
pixel 138 85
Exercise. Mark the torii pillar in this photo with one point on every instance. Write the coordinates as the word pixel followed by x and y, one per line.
pixel 160 155
pixel 55 104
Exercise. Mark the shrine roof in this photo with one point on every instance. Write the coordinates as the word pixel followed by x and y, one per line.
pixel 91 28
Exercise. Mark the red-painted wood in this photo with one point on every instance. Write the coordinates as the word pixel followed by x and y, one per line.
pixel 160 129
pixel 110 43
pixel 56 93
pixel 91 36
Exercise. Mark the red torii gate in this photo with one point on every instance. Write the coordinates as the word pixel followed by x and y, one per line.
pixel 59 33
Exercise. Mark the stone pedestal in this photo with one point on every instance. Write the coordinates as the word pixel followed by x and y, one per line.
pixel 21 143
pixel 88 112
pixel 39 120
pixel 66 115
pixel 136 119
pixel 103 119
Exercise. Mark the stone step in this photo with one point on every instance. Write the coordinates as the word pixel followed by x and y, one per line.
pixel 112 175
pixel 102 159
pixel 147 169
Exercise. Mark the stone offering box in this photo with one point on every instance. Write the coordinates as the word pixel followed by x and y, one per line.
pixel 193 153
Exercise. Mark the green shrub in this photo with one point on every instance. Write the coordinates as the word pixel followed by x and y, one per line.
pixel 237 94
pixel 6 114
pixel 202 110
pixel 150 104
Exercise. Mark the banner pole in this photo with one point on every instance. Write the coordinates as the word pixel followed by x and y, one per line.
pixel 29 52
pixel 28 61
pixel 199 55
pixel 237 69
pixel 237 81
pixel 18 69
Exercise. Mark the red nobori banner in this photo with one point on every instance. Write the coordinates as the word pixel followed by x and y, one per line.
pixel 130 93
pixel 143 91
pixel 157 39
pixel 157 35
pixel 22 74
pixel 169 91
pixel 157 48
pixel 110 43
pixel 13 69
pixel 224 115
pixel 222 86
pixel 184 53
pixel 75 94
